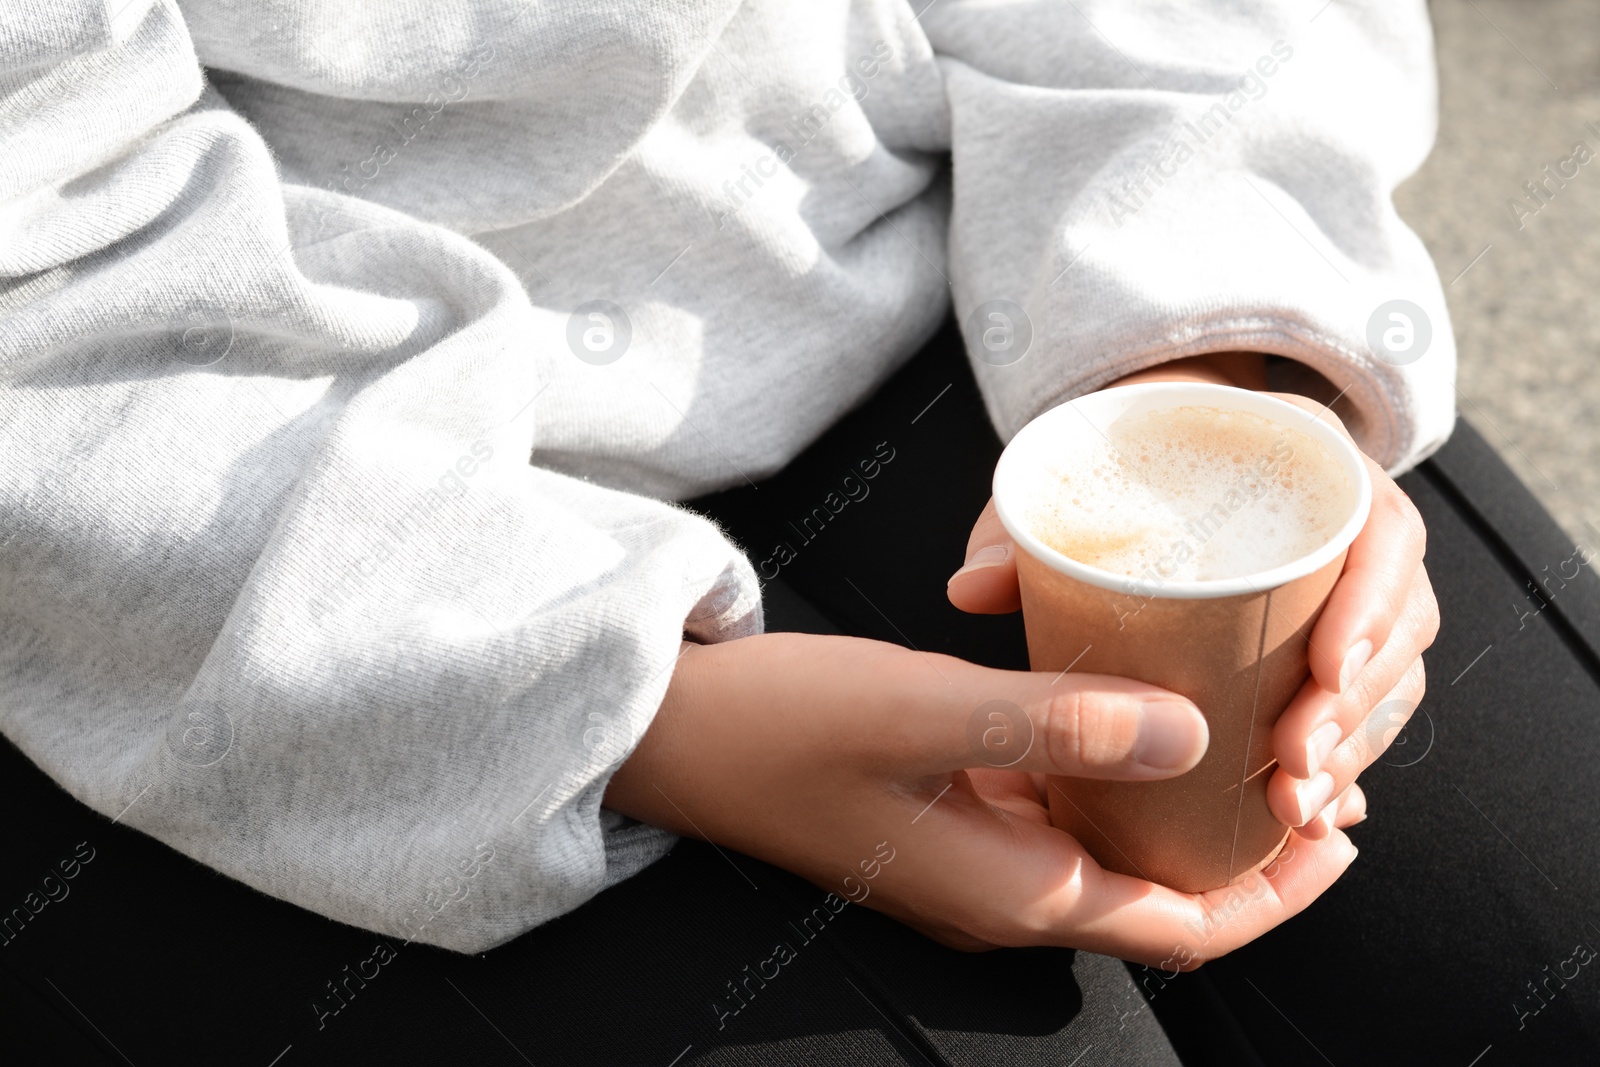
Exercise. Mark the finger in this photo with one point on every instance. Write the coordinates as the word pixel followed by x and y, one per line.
pixel 1027 884
pixel 1295 802
pixel 986 584
pixel 1013 791
pixel 1319 825
pixel 1317 409
pixel 1083 725
pixel 887 710
pixel 1352 807
pixel 1137 920
pixel 1371 591
pixel 1317 721
pixel 1362 749
pixel 1349 808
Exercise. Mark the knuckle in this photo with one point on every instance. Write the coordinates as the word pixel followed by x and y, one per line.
pixel 1352 755
pixel 1028 927
pixel 1022 926
pixel 1090 729
pixel 1399 706
pixel 1430 619
pixel 1041 920
pixel 1366 693
pixel 1062 737
pixel 1415 680
pixel 1413 528
pixel 1402 515
pixel 1375 743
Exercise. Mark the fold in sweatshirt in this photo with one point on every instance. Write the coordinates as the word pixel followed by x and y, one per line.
pixel 351 360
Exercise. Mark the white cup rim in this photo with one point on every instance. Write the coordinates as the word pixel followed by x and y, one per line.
pixel 1157 396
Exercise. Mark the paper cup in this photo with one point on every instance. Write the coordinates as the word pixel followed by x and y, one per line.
pixel 1234 646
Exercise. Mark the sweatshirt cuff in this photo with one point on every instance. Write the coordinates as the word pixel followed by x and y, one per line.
pixel 1398 414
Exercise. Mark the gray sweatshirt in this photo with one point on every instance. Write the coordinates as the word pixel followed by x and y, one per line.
pixel 351 357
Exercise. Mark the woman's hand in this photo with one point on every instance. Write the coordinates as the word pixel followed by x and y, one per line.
pixel 848 762
pixel 1366 649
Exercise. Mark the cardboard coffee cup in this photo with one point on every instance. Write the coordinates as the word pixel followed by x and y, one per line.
pixel 1235 646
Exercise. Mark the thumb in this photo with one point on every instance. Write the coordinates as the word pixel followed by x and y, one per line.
pixel 1080 725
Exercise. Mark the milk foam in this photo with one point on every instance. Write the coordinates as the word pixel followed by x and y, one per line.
pixel 1190 494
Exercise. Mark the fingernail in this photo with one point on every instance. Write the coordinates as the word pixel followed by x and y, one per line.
pixel 992 556
pixel 1354 660
pixel 1313 795
pixel 1172 735
pixel 1320 745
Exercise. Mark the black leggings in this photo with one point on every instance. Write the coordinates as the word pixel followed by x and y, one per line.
pixel 1464 934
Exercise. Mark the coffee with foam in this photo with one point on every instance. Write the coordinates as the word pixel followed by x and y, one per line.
pixel 1191 494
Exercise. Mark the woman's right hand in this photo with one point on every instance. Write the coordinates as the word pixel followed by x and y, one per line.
pixel 823 755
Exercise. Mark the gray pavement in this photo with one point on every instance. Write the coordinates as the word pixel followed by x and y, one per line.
pixel 1519 88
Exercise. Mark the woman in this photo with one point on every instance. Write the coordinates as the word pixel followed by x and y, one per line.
pixel 292 292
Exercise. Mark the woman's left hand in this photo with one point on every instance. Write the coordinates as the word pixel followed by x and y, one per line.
pixel 1367 677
